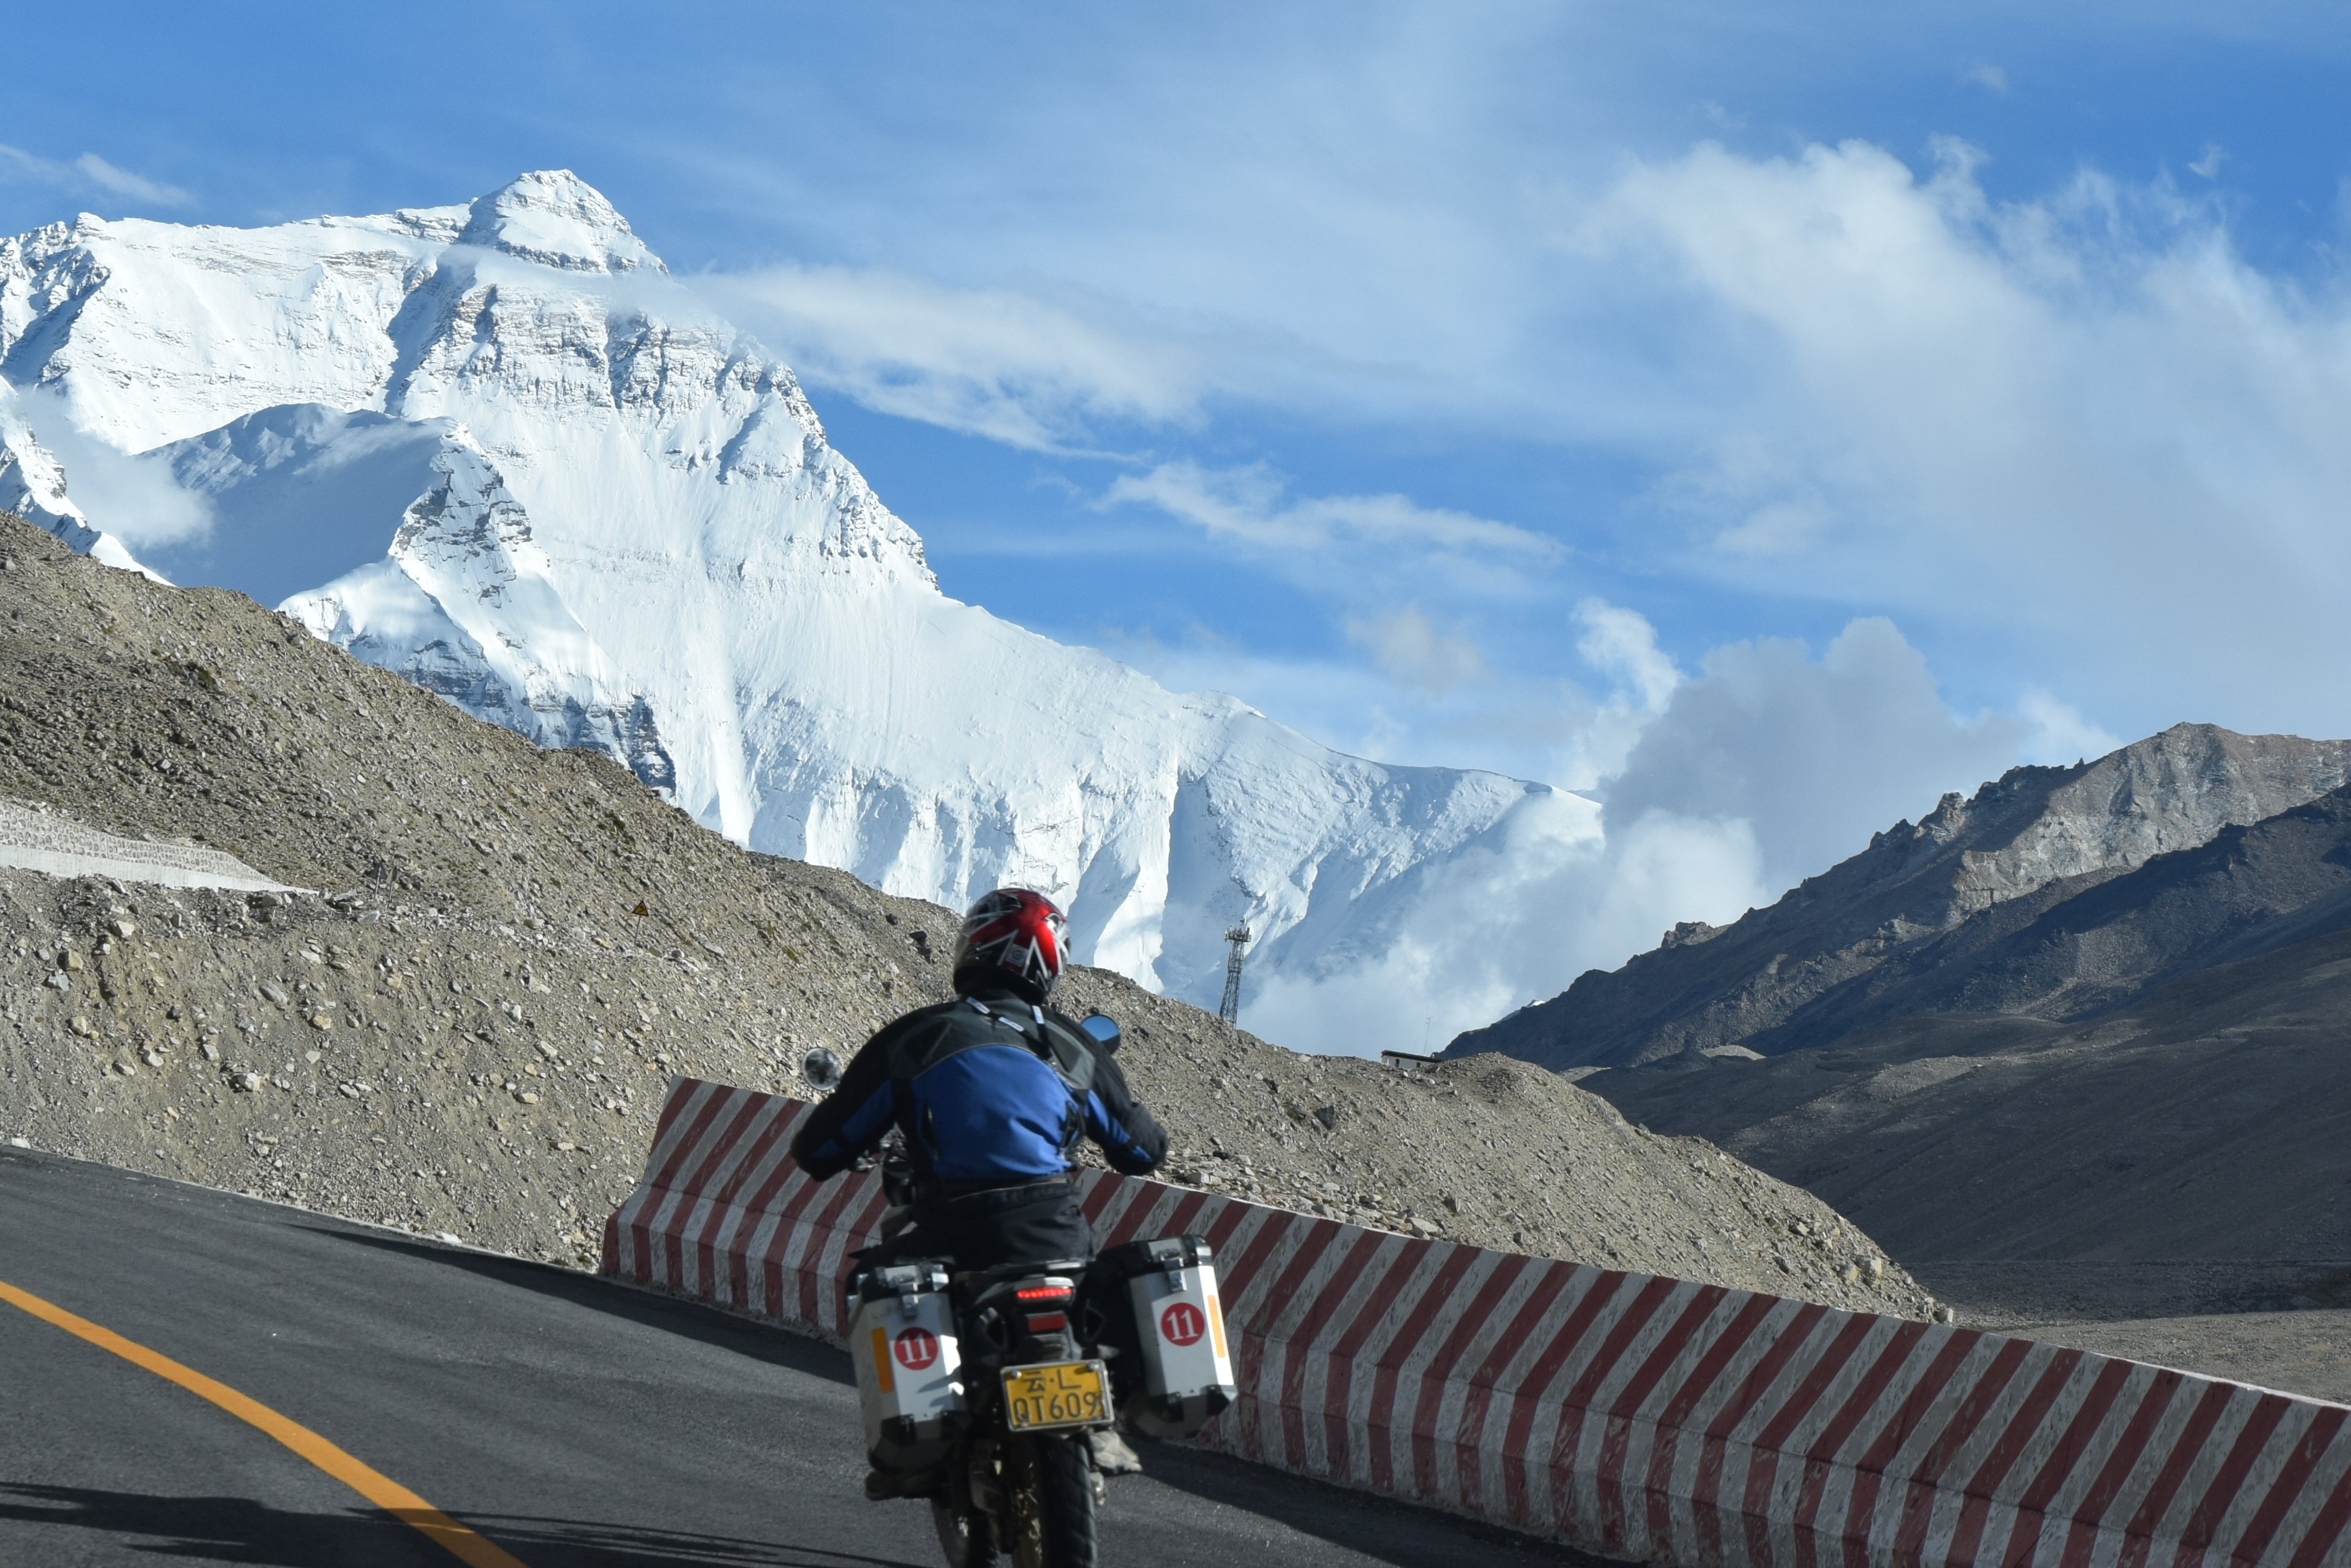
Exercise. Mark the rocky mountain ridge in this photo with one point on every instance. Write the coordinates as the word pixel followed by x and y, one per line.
pixel 1911 922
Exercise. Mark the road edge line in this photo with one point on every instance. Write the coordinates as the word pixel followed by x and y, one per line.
pixel 463 1541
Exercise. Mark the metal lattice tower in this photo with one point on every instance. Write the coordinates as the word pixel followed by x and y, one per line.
pixel 1229 1009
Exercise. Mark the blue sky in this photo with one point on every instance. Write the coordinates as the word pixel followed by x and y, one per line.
pixel 1507 386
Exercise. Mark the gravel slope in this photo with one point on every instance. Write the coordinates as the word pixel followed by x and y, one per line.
pixel 471 1031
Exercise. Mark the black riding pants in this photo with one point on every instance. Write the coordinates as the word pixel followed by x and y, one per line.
pixel 1039 1223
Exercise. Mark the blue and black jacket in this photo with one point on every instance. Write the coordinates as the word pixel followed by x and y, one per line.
pixel 988 1091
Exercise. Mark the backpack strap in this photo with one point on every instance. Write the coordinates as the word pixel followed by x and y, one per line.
pixel 1071 1057
pixel 1071 1060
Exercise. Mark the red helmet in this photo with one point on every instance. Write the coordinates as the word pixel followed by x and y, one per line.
pixel 1012 936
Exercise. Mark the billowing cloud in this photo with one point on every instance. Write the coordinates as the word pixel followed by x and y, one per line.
pixel 134 499
pixel 1814 753
pixel 2059 731
pixel 1622 643
pixel 1506 923
pixel 1766 766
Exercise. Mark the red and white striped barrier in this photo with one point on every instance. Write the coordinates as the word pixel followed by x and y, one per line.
pixel 1643 1417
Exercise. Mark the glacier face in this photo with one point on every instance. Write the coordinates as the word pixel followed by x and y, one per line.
pixel 496 448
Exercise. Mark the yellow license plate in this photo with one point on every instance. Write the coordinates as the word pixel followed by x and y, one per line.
pixel 1061 1394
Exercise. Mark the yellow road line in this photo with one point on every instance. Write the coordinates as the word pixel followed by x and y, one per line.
pixel 378 1489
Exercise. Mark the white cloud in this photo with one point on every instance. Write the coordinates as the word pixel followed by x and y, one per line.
pixel 2048 433
pixel 1411 649
pixel 1013 366
pixel 1815 755
pixel 135 499
pixel 1505 924
pixel 1622 642
pixel 122 182
pixel 1783 528
pixel 1768 767
pixel 2058 732
pixel 1247 505
pixel 1990 78
pixel 1427 693
pixel 2082 424
pixel 90 173
pixel 2209 164
pixel 2051 433
pixel 1436 699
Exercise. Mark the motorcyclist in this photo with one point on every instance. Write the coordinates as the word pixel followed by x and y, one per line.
pixel 991 1092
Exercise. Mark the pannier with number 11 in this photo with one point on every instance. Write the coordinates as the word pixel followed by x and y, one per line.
pixel 1179 1334
pixel 902 1337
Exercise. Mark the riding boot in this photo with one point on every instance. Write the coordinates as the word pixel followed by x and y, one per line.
pixel 883 1482
pixel 1113 1455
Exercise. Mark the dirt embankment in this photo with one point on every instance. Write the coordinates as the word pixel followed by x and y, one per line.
pixel 470 1027
pixel 1486 1150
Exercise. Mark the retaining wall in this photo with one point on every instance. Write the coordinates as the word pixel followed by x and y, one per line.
pixel 1643 1417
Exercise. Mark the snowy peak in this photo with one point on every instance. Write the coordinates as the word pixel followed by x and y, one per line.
pixel 495 448
pixel 554 219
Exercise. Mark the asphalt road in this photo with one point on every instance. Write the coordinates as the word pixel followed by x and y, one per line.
pixel 575 1423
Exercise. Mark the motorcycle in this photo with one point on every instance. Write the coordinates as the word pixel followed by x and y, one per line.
pixel 991 1392
pixel 996 1423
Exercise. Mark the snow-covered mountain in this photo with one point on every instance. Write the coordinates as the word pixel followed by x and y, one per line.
pixel 496 448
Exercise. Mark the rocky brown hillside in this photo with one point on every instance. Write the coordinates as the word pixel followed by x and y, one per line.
pixel 2206 1118
pixel 1490 1151
pixel 1913 922
pixel 469 1026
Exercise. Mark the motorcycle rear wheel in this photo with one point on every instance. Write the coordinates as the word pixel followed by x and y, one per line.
pixel 963 1537
pixel 1059 1532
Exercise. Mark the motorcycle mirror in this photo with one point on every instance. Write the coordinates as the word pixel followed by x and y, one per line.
pixel 1103 1028
pixel 822 1069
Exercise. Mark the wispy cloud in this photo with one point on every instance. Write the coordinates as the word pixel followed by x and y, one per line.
pixel 89 175
pixel 2209 164
pixel 1990 78
pixel 1249 505
pixel 1414 650
pixel 1014 367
